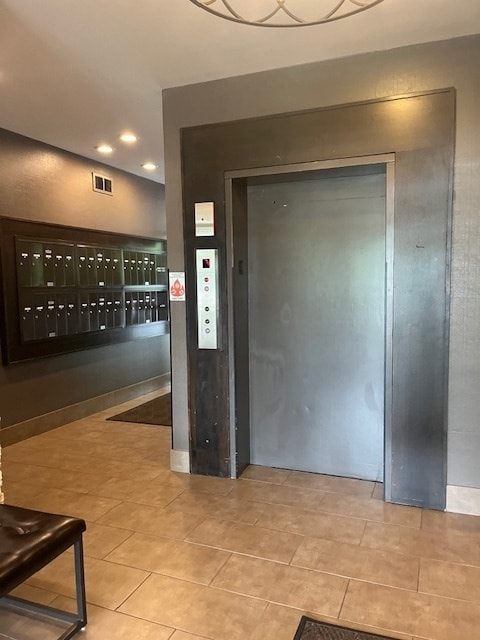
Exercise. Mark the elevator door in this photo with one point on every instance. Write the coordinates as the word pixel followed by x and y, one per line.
pixel 317 324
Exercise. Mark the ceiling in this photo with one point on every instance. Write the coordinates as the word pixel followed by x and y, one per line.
pixel 75 73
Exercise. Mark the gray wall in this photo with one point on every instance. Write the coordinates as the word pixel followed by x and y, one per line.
pixel 44 184
pixel 401 71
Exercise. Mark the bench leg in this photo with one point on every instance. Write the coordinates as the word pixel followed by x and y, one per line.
pixel 77 621
pixel 80 582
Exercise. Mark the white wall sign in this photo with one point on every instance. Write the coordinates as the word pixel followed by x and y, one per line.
pixel 204 219
pixel 177 286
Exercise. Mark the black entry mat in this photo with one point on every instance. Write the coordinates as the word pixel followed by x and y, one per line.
pixel 156 411
pixel 310 629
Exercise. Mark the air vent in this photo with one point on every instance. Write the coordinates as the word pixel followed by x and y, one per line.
pixel 102 184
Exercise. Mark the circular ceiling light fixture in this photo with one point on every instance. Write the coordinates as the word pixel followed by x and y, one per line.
pixel 284 13
pixel 104 148
pixel 128 137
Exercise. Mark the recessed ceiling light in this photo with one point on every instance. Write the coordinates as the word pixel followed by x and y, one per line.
pixel 149 166
pixel 128 137
pixel 104 148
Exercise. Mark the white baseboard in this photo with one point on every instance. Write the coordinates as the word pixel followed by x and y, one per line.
pixel 463 500
pixel 179 461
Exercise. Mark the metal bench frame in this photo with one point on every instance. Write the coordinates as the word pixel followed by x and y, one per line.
pixel 77 620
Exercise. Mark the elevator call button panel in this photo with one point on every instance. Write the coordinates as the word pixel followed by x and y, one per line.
pixel 207 298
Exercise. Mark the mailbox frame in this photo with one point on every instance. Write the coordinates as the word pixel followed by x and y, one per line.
pixel 62 296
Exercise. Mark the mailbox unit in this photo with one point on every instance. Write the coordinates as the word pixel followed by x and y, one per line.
pixel 65 288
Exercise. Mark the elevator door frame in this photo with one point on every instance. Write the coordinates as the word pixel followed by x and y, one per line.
pixel 420 130
pixel 238 181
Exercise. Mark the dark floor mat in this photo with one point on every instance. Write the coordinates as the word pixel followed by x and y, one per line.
pixel 156 411
pixel 310 629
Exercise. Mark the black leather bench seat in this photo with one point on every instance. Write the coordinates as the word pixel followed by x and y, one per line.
pixel 30 540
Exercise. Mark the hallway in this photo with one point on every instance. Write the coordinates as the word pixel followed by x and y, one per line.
pixel 179 557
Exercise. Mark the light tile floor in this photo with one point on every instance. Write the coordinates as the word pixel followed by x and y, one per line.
pixel 179 557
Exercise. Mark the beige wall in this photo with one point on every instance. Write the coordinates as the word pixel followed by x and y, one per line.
pixel 42 183
pixel 366 77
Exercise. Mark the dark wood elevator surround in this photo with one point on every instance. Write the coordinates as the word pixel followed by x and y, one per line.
pixel 420 130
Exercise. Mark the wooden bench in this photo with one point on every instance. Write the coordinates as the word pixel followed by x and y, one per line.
pixel 29 540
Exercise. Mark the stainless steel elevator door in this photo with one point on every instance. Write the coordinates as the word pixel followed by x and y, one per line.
pixel 317 324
